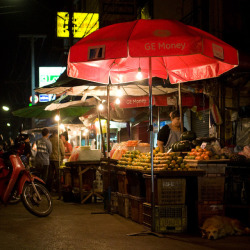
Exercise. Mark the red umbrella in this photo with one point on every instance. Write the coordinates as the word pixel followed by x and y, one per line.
pixel 156 48
pixel 178 51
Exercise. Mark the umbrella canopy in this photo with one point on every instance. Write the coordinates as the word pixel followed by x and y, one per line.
pixel 179 52
pixel 39 112
pixel 160 87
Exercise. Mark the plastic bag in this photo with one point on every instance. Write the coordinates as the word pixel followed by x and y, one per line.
pixel 74 154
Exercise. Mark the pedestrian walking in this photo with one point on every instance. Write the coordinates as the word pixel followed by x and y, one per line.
pixel 44 149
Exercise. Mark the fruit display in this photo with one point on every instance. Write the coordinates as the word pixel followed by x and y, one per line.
pixel 119 149
pixel 200 154
pixel 161 161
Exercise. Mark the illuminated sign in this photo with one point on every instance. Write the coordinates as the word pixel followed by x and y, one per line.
pixel 49 75
pixel 46 98
pixel 83 24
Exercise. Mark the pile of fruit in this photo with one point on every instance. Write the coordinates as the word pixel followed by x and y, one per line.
pixel 200 154
pixel 161 161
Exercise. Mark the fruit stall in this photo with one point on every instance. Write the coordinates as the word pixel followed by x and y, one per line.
pixel 190 183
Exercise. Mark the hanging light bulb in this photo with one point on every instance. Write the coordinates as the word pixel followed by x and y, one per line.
pixel 117 101
pixel 119 92
pixel 139 74
pixel 57 118
pixel 62 127
pixel 120 77
pixel 100 107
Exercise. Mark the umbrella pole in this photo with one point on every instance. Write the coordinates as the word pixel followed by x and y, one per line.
pixel 108 120
pixel 158 118
pixel 108 146
pixel 58 185
pixel 151 129
pixel 180 106
pixel 58 138
pixel 102 139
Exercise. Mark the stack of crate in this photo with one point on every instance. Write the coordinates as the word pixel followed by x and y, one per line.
pixel 136 194
pixel 170 211
pixel 211 191
pixel 122 195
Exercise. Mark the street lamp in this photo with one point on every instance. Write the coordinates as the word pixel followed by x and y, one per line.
pixel 5 108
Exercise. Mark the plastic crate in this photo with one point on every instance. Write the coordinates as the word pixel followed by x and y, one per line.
pixel 136 206
pixel 123 205
pixel 211 188
pixel 167 191
pixel 208 210
pixel 168 218
pixel 122 182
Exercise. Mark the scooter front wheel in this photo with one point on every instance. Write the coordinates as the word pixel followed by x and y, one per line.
pixel 39 207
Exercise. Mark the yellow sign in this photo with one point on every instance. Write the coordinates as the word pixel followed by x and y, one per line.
pixel 83 24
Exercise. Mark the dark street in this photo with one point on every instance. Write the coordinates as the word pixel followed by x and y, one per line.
pixel 75 226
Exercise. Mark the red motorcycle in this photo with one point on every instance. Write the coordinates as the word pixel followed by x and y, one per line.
pixel 16 180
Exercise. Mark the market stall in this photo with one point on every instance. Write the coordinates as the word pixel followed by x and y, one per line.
pixel 215 58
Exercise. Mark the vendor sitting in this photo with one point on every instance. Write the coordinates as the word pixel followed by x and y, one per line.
pixel 170 133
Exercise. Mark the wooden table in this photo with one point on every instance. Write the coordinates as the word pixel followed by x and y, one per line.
pixel 82 168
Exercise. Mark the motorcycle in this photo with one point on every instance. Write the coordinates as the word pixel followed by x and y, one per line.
pixel 17 181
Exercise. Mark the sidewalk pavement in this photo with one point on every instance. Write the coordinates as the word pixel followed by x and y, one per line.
pixel 87 226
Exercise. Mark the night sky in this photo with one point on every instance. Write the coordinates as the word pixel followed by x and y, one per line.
pixel 22 17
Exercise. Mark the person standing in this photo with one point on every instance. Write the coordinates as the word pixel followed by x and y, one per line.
pixel 44 149
pixel 67 146
pixel 170 133
pixel 56 159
